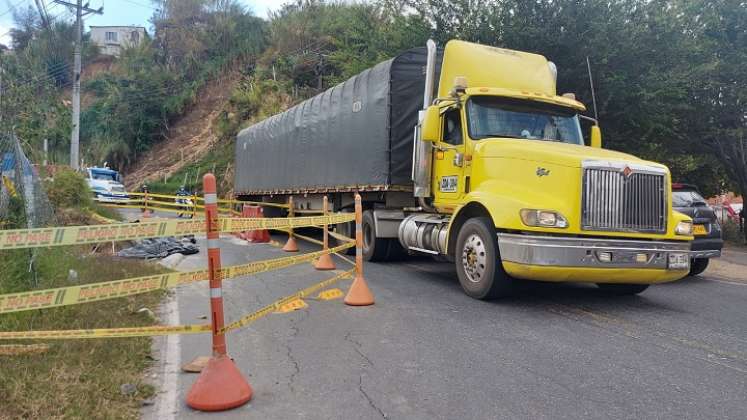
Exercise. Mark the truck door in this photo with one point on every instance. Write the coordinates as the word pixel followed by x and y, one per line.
pixel 448 160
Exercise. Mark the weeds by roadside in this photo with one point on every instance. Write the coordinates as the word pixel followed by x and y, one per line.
pixel 76 378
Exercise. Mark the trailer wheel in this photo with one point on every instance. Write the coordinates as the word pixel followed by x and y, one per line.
pixel 478 262
pixel 374 249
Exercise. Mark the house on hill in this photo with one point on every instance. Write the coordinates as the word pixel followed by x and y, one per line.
pixel 112 39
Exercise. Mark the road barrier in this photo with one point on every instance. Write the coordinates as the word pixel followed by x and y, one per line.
pixel 220 385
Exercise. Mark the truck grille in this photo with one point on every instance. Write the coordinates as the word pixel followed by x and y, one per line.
pixel 617 197
pixel 118 189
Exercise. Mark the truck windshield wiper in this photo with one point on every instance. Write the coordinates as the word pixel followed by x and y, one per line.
pixel 500 135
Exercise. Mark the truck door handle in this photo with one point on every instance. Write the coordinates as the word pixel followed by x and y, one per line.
pixel 458 159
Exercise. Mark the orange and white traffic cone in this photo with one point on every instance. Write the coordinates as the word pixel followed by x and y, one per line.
pixel 325 261
pixel 259 236
pixel 359 294
pixel 290 245
pixel 220 385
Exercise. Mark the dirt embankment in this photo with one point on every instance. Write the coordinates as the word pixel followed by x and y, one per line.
pixel 188 139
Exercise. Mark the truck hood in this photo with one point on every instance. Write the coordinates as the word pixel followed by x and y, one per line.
pixel 570 155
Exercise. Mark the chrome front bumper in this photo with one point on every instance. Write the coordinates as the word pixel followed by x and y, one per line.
pixel 706 253
pixel 588 252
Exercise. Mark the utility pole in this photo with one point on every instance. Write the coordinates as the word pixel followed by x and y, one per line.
pixel 80 11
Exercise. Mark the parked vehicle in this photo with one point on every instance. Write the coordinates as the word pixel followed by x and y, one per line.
pixel 706 228
pixel 491 172
pixel 106 185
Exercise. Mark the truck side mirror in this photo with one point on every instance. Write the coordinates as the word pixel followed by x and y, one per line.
pixel 430 128
pixel 596 137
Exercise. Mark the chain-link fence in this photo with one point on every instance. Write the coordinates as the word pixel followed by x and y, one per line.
pixel 23 200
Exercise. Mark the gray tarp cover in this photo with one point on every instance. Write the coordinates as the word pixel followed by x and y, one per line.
pixel 160 248
pixel 357 133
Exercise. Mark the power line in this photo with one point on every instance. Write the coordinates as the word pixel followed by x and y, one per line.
pixel 12 8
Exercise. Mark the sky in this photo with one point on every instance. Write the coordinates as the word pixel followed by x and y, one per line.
pixel 116 12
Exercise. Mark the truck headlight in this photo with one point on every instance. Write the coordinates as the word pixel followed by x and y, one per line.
pixel 543 218
pixel 684 228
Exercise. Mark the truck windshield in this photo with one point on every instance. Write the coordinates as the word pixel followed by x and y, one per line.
pixel 685 198
pixel 489 116
pixel 103 176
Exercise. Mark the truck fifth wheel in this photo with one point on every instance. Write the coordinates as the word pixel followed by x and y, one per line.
pixel 468 153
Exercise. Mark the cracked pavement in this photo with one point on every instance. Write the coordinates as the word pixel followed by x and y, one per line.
pixel 427 351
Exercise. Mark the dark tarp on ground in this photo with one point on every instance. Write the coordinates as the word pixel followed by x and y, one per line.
pixel 159 248
pixel 359 132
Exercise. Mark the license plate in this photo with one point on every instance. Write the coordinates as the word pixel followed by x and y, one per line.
pixel 679 261
pixel 700 230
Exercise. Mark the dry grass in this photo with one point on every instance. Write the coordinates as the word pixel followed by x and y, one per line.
pixel 76 378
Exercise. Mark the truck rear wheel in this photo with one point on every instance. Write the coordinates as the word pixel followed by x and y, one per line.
pixel 374 249
pixel 622 289
pixel 478 262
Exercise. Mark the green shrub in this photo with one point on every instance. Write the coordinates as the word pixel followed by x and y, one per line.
pixel 68 189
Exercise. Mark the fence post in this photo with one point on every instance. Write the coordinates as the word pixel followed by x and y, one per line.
pixel 194 205
pixel 220 385
pixel 291 245
pixel 359 293
pixel 146 212
pixel 325 261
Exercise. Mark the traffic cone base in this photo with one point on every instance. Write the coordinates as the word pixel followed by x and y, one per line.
pixel 325 263
pixel 291 245
pixel 219 387
pixel 359 293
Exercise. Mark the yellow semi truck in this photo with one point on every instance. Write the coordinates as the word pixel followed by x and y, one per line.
pixel 487 168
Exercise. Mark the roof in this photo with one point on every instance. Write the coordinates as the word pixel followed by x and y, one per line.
pixel 103 170
pixel 119 26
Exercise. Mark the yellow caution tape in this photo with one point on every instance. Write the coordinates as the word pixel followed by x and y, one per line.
pixel 336 236
pixel 73 295
pixel 106 332
pixel 273 307
pixel 277 263
pixel 242 224
pixel 176 329
pixel 18 349
pixel 76 235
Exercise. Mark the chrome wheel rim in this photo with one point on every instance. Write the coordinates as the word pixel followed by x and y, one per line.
pixel 474 258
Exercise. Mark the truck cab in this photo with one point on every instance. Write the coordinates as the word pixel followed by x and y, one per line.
pixel 526 198
pixel 106 185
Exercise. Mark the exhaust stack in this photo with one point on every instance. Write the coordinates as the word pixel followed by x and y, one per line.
pixel 421 151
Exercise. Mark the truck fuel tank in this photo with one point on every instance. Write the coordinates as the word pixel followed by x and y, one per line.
pixel 424 232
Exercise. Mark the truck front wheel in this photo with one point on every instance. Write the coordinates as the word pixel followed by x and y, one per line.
pixel 478 263
pixel 698 265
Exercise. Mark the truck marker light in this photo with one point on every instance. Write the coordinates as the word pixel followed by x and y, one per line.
pixel 605 257
pixel 641 258
pixel 684 228
pixel 440 155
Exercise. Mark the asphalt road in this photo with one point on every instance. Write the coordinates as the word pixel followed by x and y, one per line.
pixel 427 351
